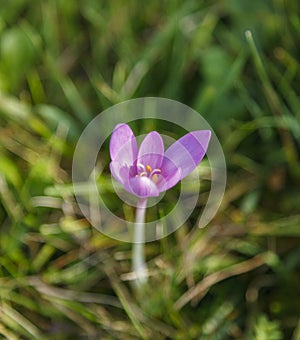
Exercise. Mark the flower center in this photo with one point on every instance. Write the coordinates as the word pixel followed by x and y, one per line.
pixel 147 171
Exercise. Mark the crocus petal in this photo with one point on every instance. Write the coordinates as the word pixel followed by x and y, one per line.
pixel 170 175
pixel 123 146
pixel 119 171
pixel 151 150
pixel 142 186
pixel 187 152
pixel 173 180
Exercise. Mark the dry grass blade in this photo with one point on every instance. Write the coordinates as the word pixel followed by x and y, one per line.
pixel 6 333
pixel 203 286
pixel 21 320
pixel 86 326
pixel 12 208
pixel 66 294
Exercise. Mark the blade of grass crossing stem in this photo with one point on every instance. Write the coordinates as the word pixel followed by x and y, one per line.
pixel 123 295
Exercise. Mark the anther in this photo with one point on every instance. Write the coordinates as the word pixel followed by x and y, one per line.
pixel 155 172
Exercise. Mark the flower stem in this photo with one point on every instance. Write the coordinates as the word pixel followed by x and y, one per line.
pixel 139 267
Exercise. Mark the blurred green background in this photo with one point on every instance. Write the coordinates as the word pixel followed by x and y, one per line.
pixel 237 63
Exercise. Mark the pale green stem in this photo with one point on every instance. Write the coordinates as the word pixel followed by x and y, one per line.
pixel 139 267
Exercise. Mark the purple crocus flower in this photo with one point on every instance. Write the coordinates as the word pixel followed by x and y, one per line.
pixel 148 170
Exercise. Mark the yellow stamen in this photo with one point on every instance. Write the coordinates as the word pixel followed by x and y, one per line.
pixel 148 168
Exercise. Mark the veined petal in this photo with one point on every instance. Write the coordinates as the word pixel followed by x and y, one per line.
pixel 151 150
pixel 123 146
pixel 169 176
pixel 187 152
pixel 173 180
pixel 142 186
pixel 119 171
